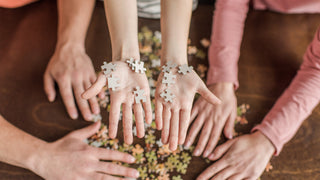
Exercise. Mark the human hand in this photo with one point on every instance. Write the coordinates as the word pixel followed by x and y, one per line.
pixel 212 119
pixel 244 157
pixel 71 158
pixel 73 71
pixel 123 96
pixel 173 118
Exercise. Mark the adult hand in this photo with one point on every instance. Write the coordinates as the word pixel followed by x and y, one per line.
pixel 173 117
pixel 124 96
pixel 211 119
pixel 73 71
pixel 71 158
pixel 244 157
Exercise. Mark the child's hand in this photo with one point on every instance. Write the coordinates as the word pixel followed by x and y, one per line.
pixel 123 96
pixel 244 157
pixel 211 119
pixel 173 117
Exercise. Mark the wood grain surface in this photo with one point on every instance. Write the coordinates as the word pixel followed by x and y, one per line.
pixel 271 53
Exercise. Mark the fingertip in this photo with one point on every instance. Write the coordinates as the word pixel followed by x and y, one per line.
pixel 51 97
pixel 187 144
pixel 84 95
pixel 88 117
pixel 128 141
pixel 131 159
pixel 73 115
pixel 205 154
pixel 211 157
pixel 181 141
pixel 136 173
pixel 196 152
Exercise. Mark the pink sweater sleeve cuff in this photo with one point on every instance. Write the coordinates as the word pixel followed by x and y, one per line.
pixel 297 102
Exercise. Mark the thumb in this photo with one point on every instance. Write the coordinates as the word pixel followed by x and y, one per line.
pixel 49 86
pixel 86 132
pixel 208 95
pixel 220 150
pixel 95 88
pixel 229 127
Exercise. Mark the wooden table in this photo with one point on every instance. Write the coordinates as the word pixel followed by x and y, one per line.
pixel 271 53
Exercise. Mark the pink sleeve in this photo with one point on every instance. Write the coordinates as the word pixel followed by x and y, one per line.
pixel 227 30
pixel 297 102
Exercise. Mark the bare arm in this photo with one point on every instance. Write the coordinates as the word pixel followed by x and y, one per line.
pixel 70 66
pixel 13 140
pixel 123 28
pixel 49 160
pixel 174 117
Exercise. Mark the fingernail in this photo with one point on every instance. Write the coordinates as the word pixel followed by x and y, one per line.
pixel 74 115
pixel 132 159
pixel 89 117
pixel 211 156
pixel 230 136
pixel 196 152
pixel 50 98
pixel 187 144
pixel 205 154
pixel 137 174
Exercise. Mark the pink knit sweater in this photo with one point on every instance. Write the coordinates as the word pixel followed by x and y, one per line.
pixel 303 94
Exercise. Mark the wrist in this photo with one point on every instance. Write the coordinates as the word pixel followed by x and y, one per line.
pixel 179 60
pixel 70 46
pixel 124 53
pixel 268 145
pixel 33 159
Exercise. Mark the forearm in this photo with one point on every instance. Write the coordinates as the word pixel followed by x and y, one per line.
pixel 73 21
pixel 297 102
pixel 17 147
pixel 123 28
pixel 175 23
pixel 227 31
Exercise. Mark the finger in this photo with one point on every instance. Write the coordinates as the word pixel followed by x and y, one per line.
pixel 204 137
pixel 208 95
pixel 220 150
pixel 229 127
pixel 138 114
pixel 224 174
pixel 194 112
pixel 213 140
pixel 194 130
pixel 82 104
pixel 166 124
pixel 112 155
pixel 184 123
pixel 49 86
pixel 147 110
pixel 114 169
pixel 95 108
pixel 174 129
pixel 127 123
pixel 86 132
pixel 102 176
pixel 212 170
pixel 96 87
pixel 236 177
pixel 68 99
pixel 114 116
pixel 218 117
pixel 158 114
